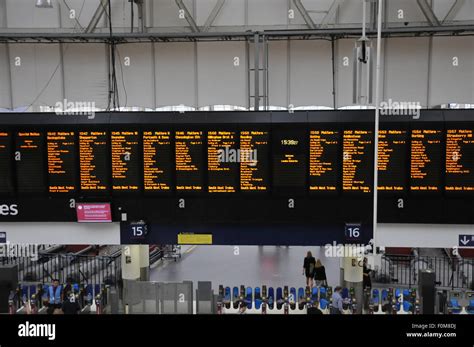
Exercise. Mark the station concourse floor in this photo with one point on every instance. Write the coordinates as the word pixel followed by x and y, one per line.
pixel 254 266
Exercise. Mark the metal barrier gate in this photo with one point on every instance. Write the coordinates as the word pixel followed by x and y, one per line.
pixel 158 298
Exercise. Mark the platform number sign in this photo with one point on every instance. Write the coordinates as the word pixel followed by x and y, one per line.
pixel 353 231
pixel 138 230
pixel 3 237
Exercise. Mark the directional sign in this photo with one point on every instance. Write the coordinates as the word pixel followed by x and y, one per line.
pixel 466 240
pixel 3 237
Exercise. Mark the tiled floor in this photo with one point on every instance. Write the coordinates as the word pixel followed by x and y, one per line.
pixel 251 266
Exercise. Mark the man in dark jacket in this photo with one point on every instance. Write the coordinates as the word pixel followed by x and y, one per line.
pixel 70 304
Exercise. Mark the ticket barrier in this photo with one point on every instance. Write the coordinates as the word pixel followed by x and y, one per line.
pixel 454 307
pixel 349 304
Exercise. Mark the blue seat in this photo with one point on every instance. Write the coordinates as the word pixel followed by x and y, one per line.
pixel 454 305
pixel 375 296
pixel 384 295
pixel 322 292
pixel 345 293
pixel 470 308
pixel 75 287
pixel 406 292
pixel 33 289
pixel 407 306
pixel 323 303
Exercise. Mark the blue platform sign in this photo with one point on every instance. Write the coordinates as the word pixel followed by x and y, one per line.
pixel 466 240
pixel 353 231
pixel 3 237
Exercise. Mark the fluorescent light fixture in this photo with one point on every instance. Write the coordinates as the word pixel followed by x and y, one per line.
pixel 44 4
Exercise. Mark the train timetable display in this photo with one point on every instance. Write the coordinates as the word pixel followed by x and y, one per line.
pixel 459 160
pixel 93 161
pixel 289 159
pixel 189 160
pixel 357 161
pixel 254 168
pixel 223 157
pixel 125 160
pixel 425 163
pixel 323 160
pixel 157 167
pixel 6 177
pixel 29 158
pixel 392 160
pixel 62 169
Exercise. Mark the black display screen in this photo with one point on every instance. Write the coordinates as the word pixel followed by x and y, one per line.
pixel 30 163
pixel 126 159
pixel 62 168
pixel 425 164
pixel 289 152
pixel 460 160
pixel 392 160
pixel 94 161
pixel 189 159
pixel 357 161
pixel 6 172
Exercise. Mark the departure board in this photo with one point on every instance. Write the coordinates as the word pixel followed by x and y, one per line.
pixel 157 161
pixel 254 166
pixel 425 163
pixel 289 159
pixel 392 159
pixel 357 161
pixel 61 161
pixel 223 157
pixel 459 160
pixel 6 174
pixel 323 160
pixel 93 160
pixel 189 160
pixel 29 158
pixel 125 160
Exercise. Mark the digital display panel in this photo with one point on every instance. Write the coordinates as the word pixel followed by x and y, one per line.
pixel 459 160
pixel 189 160
pixel 157 161
pixel 425 163
pixel 289 160
pixel 254 164
pixel 94 161
pixel 6 172
pixel 324 160
pixel 223 157
pixel 62 167
pixel 392 159
pixel 126 156
pixel 29 159
pixel 357 161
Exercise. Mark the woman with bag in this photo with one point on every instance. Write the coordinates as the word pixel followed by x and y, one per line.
pixel 320 275
pixel 308 269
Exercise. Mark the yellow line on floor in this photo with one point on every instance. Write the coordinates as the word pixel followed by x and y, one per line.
pixel 190 249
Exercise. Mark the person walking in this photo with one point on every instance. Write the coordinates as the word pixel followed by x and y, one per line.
pixel 309 264
pixel 320 274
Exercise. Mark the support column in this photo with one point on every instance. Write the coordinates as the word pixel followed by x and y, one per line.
pixel 131 262
pixel 353 277
pixel 144 263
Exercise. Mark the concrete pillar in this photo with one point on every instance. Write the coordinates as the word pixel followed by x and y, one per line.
pixel 144 262
pixel 353 276
pixel 131 262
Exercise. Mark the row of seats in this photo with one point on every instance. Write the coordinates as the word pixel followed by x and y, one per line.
pixel 455 306
pixel 392 300
pixel 281 297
